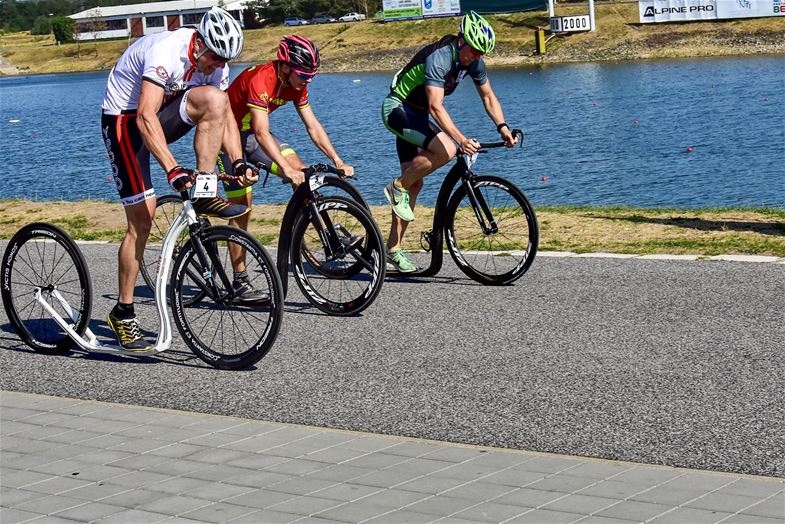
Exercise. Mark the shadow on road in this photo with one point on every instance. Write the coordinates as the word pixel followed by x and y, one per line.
pixel 764 228
pixel 172 356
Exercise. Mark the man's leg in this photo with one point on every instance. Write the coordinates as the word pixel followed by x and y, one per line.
pixel 440 150
pixel 129 257
pixel 206 106
pixel 244 196
pixel 130 161
pixel 122 319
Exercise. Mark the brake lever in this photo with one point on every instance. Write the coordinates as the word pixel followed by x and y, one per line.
pixel 518 133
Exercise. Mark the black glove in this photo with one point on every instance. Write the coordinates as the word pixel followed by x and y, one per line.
pixel 179 176
pixel 240 166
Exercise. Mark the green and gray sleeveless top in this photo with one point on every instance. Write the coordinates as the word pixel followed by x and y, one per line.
pixel 434 65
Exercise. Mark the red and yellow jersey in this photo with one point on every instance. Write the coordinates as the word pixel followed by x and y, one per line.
pixel 262 87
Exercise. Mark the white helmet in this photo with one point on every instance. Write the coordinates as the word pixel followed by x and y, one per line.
pixel 221 33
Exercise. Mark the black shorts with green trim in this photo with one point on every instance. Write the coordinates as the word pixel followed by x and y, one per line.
pixel 253 154
pixel 411 125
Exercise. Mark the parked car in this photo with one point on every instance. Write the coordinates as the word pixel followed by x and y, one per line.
pixel 351 17
pixel 322 19
pixel 293 20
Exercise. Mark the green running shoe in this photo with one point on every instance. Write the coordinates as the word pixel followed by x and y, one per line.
pixel 399 200
pixel 397 261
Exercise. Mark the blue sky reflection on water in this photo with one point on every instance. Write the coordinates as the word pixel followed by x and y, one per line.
pixel 596 133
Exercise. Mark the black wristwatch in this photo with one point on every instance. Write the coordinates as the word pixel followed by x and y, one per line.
pixel 500 126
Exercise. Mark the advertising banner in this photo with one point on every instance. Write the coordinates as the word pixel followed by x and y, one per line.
pixel 677 10
pixel 503 6
pixel 750 8
pixel 688 10
pixel 440 8
pixel 402 9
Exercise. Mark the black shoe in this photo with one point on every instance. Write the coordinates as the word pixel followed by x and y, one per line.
pixel 129 335
pixel 348 241
pixel 246 293
pixel 218 207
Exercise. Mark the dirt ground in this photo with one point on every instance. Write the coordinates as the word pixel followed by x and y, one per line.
pixel 614 230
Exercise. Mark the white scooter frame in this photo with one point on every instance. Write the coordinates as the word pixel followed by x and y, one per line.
pixel 89 342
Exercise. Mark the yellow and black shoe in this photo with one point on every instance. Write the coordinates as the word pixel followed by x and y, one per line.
pixel 129 335
pixel 218 207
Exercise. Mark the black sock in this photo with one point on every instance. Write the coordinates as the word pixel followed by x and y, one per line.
pixel 242 275
pixel 124 311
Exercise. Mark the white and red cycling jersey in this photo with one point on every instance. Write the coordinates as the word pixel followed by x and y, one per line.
pixel 166 59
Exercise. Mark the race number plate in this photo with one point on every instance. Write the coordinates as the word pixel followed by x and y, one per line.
pixel 206 185
pixel 316 182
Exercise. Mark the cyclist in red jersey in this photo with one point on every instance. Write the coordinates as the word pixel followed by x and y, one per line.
pixel 260 90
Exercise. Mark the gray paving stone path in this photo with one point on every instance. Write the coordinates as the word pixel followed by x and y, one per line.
pixel 66 460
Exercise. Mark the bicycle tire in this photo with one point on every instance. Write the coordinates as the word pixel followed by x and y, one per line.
pixel 166 209
pixel 42 255
pixel 350 283
pixel 344 272
pixel 334 186
pixel 227 334
pixel 497 258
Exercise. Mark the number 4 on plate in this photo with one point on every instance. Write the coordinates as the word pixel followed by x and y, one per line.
pixel 206 185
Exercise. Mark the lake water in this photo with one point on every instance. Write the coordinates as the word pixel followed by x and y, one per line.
pixel 674 133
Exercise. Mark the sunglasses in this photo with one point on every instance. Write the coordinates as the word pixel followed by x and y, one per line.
pixel 302 75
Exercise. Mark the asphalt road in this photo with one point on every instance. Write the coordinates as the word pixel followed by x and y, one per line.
pixel 663 362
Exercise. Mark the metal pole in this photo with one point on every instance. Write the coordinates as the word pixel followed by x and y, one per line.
pixel 550 8
pixel 591 16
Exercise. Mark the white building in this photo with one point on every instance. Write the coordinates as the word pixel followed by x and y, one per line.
pixel 137 20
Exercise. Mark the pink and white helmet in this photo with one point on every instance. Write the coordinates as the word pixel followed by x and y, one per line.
pixel 300 53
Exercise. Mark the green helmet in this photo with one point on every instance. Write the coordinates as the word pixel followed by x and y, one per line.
pixel 477 32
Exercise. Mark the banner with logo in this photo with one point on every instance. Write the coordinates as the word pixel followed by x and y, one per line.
pixel 441 8
pixel 402 9
pixel 688 10
pixel 503 6
pixel 750 8
pixel 412 9
pixel 677 10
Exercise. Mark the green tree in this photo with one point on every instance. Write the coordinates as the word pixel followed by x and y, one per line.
pixel 63 28
pixel 41 26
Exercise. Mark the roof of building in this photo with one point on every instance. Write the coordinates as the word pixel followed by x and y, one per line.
pixel 174 6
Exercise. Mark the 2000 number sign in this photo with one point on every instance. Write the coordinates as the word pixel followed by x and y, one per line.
pixel 560 24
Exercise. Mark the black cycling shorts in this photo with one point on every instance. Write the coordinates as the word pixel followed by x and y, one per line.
pixel 253 154
pixel 129 157
pixel 411 125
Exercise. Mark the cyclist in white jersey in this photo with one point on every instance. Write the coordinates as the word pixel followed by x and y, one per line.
pixel 161 87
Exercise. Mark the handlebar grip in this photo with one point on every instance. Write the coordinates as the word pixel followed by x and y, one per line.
pixel 491 145
pixel 310 170
pixel 224 177
pixel 323 168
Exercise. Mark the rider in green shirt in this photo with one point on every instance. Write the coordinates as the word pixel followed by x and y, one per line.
pixel 424 145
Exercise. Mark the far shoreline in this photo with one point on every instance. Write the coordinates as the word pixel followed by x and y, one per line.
pixel 369 46
pixel 240 65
